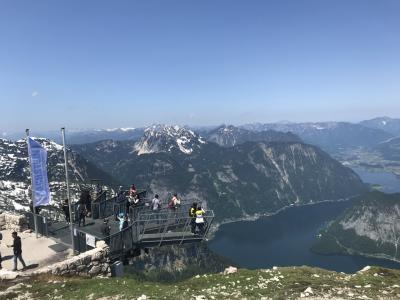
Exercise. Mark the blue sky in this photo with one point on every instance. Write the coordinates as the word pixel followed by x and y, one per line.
pixel 105 64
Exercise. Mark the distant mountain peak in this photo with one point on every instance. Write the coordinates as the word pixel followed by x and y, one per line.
pixel 388 124
pixel 167 138
pixel 123 129
pixel 229 136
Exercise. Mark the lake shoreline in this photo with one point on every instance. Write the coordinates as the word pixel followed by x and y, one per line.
pixel 256 217
pixel 346 251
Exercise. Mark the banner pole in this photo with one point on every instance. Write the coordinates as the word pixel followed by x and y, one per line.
pixel 32 188
pixel 71 223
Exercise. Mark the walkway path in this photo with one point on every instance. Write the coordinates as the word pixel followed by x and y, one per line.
pixel 36 252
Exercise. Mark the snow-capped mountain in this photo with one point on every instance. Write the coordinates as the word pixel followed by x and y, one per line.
pixel 167 138
pixel 229 136
pixel 15 173
pixel 387 124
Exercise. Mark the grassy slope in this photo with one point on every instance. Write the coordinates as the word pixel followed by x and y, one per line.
pixel 282 283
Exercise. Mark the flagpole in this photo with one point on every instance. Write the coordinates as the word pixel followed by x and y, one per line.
pixel 32 189
pixel 71 223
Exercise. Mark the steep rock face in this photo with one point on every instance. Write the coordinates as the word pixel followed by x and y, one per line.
pixel 229 136
pixel 247 179
pixel 15 173
pixel 170 263
pixel 370 227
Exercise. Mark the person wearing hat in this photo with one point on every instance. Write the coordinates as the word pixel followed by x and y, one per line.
pixel 17 248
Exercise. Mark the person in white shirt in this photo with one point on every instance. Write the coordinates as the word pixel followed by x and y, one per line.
pixel 155 203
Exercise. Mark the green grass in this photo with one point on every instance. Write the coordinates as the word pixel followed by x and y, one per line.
pixel 282 283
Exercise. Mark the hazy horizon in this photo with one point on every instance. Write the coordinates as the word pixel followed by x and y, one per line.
pixel 103 64
pixel 5 134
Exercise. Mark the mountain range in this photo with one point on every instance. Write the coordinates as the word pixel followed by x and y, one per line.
pixel 229 136
pixel 244 180
pixel 332 137
pixel 387 124
pixel 238 172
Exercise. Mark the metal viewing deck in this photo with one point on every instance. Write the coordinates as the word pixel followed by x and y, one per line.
pixel 146 228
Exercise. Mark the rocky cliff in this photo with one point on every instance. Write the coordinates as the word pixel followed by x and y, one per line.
pixel 371 228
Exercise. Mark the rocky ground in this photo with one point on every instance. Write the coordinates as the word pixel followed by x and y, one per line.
pixel 276 283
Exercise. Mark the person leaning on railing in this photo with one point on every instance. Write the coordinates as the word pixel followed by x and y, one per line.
pixel 192 214
pixel 200 219
pixel 156 203
pixel 175 202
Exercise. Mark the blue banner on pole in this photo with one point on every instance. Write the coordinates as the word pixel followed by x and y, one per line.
pixel 40 188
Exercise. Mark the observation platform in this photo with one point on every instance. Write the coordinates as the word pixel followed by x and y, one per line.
pixel 146 228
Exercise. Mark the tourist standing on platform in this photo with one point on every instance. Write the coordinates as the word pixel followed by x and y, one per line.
pixel 120 195
pixel 200 219
pixel 98 190
pixel 125 223
pixel 132 191
pixel 156 203
pixel 121 219
pixel 175 202
pixel 192 214
pixel 65 208
pixel 86 200
pixel 105 228
pixel 17 249
pixel 81 213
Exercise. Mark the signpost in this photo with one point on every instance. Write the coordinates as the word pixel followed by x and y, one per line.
pixel 71 221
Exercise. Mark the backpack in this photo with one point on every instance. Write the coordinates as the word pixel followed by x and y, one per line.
pixel 192 212
pixel 171 204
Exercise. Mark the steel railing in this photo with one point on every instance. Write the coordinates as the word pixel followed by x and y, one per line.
pixel 156 229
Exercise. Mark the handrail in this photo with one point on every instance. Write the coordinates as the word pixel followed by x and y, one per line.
pixel 52 213
pixel 99 197
pixel 144 217
pixel 136 232
pixel 147 209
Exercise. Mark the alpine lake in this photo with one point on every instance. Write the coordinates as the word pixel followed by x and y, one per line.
pixel 285 239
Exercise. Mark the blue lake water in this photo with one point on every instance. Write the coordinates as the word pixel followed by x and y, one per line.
pixel 285 239
pixel 389 182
